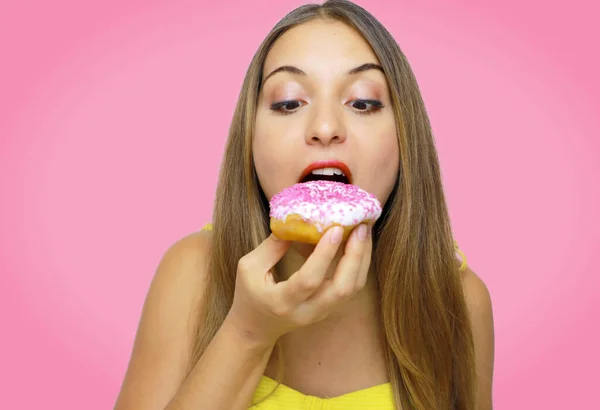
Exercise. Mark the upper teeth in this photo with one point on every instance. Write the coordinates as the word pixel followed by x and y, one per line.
pixel 328 171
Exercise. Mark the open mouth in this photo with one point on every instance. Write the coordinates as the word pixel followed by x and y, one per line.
pixel 326 174
pixel 332 170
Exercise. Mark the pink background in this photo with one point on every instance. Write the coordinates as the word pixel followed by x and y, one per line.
pixel 113 118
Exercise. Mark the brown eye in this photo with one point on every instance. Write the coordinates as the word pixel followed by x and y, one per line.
pixel 366 106
pixel 286 107
pixel 360 105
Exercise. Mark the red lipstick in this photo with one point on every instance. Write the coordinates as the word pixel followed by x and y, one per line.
pixel 327 164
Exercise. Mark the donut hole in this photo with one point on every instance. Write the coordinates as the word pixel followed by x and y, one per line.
pixel 335 178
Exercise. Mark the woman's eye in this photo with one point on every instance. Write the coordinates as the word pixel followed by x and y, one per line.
pixel 361 106
pixel 366 106
pixel 286 107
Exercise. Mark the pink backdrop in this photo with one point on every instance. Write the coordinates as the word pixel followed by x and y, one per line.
pixel 113 117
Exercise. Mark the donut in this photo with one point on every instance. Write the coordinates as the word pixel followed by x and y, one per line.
pixel 304 211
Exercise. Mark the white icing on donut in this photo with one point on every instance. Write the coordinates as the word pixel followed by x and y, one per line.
pixel 324 203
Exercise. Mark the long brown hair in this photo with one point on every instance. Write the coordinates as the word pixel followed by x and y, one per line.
pixel 428 341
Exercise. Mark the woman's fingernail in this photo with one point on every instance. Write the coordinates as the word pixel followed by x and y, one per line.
pixel 362 232
pixel 369 230
pixel 336 235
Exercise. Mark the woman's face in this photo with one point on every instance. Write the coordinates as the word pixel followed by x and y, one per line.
pixel 324 99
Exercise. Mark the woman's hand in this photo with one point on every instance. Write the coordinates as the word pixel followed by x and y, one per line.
pixel 264 310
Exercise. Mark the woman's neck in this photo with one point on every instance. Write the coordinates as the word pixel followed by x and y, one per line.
pixel 350 338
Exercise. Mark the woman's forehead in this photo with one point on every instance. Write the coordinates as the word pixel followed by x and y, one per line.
pixel 320 46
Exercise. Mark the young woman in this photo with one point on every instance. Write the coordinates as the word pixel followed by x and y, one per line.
pixel 390 319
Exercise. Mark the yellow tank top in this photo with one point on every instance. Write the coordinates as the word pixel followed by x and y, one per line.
pixel 378 397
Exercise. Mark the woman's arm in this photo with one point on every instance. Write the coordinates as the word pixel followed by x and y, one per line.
pixel 226 375
pixel 229 370
pixel 480 310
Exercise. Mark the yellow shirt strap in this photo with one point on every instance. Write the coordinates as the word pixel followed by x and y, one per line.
pixel 207 227
pixel 463 266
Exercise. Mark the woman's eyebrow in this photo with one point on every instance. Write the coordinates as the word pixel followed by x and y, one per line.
pixel 295 70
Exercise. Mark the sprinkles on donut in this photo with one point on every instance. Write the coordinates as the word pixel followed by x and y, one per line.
pixel 304 211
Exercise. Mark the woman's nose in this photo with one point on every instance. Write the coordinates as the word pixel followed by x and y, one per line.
pixel 326 127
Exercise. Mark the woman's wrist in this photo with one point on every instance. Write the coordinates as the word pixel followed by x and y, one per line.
pixel 247 338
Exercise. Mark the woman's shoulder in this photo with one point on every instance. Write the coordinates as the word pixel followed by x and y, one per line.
pixel 476 291
pixel 163 339
pixel 182 271
pixel 188 253
pixel 181 275
pixel 479 306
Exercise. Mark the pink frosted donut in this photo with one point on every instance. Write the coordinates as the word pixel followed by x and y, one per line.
pixel 304 211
